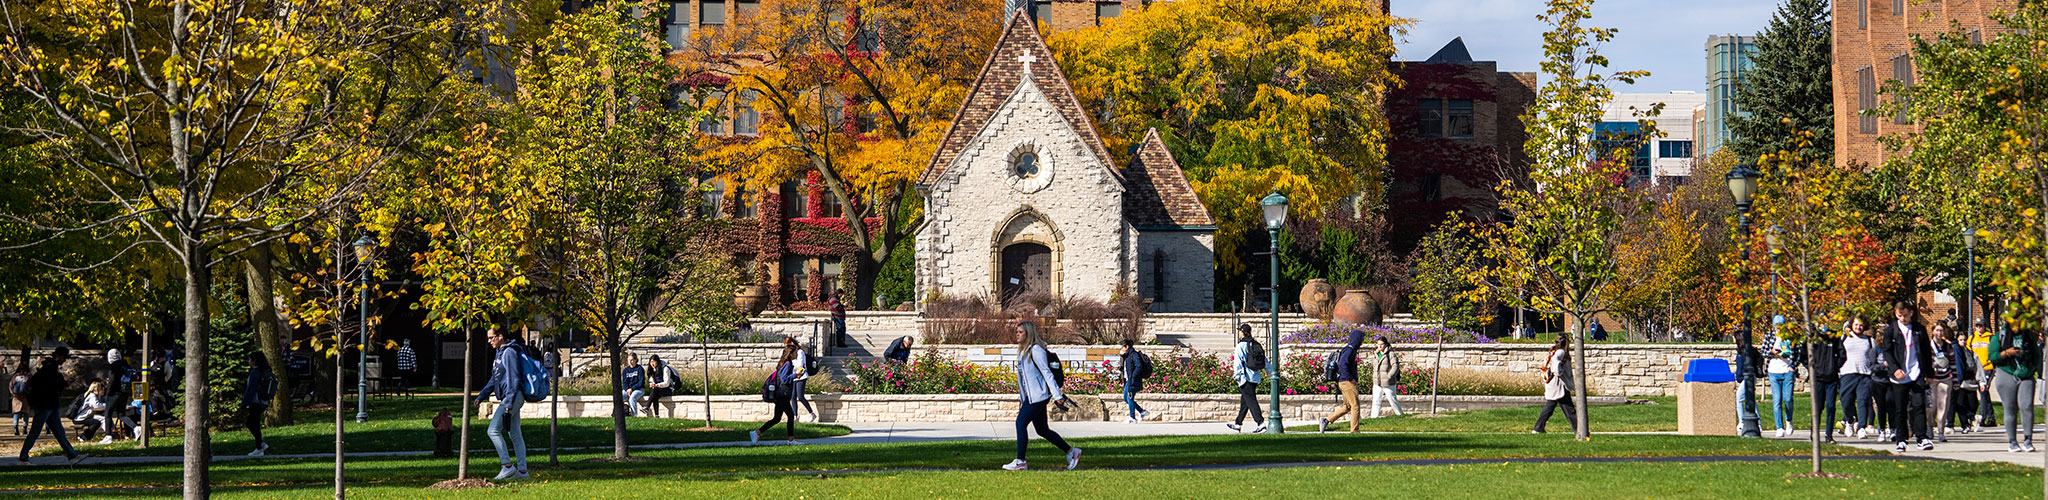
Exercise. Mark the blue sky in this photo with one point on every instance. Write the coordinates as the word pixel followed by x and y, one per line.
pixel 1666 37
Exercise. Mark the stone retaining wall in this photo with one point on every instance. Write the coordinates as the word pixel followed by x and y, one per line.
pixel 1003 407
pixel 803 323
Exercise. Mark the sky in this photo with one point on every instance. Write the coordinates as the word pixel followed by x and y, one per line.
pixel 1666 37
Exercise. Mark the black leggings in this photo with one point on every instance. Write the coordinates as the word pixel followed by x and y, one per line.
pixel 1248 402
pixel 1033 414
pixel 782 409
pixel 253 419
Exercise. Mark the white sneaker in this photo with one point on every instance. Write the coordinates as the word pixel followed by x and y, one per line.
pixel 2012 448
pixel 2027 447
pixel 1129 420
pixel 520 475
pixel 1900 448
pixel 137 434
pixel 1322 425
pixel 1926 445
pixel 1261 429
pixel 504 473
pixel 1073 458
pixel 107 439
pixel 259 451
pixel 1144 415
pixel 754 436
pixel 1015 465
pixel 1233 427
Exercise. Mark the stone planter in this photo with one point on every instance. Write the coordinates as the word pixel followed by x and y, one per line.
pixel 1317 297
pixel 1356 308
pixel 751 298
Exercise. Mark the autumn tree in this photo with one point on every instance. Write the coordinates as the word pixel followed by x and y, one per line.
pixel 1252 96
pixel 1559 248
pixel 856 92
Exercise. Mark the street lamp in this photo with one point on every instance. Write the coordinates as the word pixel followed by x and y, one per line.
pixel 1970 298
pixel 1741 186
pixel 365 246
pixel 1275 208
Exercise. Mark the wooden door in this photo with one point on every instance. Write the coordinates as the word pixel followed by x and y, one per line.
pixel 1027 269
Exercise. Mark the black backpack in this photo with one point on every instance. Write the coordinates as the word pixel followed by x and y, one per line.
pixel 810 364
pixel 1059 370
pixel 268 390
pixel 1144 365
pixel 1255 358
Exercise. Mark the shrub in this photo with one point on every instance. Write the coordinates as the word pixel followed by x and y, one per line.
pixel 930 373
pixel 722 335
pixel 1338 334
pixel 982 320
pixel 689 381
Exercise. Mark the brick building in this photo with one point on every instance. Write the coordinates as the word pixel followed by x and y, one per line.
pixel 1872 45
pixel 1454 124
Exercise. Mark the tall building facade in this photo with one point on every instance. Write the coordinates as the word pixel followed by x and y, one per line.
pixel 1728 62
pixel 1654 159
pixel 1453 124
pixel 1873 44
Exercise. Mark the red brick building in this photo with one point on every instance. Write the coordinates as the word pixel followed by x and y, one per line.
pixel 1873 44
pixel 1455 122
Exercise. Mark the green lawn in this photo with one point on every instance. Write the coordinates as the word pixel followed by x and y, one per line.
pixel 1509 480
pixel 399 424
pixel 1101 452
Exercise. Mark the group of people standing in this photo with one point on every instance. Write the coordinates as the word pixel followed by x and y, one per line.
pixel 1900 382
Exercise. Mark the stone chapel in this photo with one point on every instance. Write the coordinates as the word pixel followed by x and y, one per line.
pixel 1022 197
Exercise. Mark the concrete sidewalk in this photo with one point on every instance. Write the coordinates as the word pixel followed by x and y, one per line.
pixel 1987 446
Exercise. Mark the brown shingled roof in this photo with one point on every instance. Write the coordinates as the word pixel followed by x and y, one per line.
pixel 998 79
pixel 1155 192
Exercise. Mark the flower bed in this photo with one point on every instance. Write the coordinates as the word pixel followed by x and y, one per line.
pixel 1301 374
pixel 1338 334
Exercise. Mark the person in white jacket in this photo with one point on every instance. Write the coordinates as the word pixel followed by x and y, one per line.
pixel 1557 384
pixel 1247 382
pixel 1036 387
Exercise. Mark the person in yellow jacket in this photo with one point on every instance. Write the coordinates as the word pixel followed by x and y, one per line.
pixel 1980 342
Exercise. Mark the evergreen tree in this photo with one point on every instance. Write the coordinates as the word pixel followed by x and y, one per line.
pixel 1790 87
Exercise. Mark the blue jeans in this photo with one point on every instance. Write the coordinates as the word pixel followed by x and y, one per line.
pixel 506 421
pixel 46 419
pixel 1033 414
pixel 1855 395
pixel 1827 392
pixel 1781 398
pixel 633 400
pixel 1131 388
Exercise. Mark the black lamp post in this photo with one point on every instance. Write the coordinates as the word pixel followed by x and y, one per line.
pixel 1275 208
pixel 1970 298
pixel 1741 185
pixel 365 247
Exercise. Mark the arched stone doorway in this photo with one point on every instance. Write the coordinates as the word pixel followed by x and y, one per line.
pixel 1025 257
pixel 1027 269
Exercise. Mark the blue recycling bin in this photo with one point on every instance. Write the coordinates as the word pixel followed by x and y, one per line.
pixel 1709 370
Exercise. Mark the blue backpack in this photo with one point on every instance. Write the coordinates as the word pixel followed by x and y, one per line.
pixel 535 376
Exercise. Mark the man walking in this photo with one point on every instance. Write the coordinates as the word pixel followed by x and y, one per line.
pixel 1347 383
pixel 45 388
pixel 407 362
pixel 1909 361
pixel 1245 368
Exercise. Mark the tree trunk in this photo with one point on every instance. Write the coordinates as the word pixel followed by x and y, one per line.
pixel 198 444
pixel 263 313
pixel 870 269
pixel 1813 393
pixel 339 492
pixel 614 346
pixel 1579 375
pixel 468 399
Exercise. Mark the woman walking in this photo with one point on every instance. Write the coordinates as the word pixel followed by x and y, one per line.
pixel 1880 383
pixel 2017 357
pixel 777 391
pixel 1557 389
pixel 1247 379
pixel 1859 353
pixel 1386 373
pixel 661 383
pixel 1943 383
pixel 1778 363
pixel 256 392
pixel 1036 388
pixel 802 374
pixel 1346 360
pixel 1133 366
pixel 509 384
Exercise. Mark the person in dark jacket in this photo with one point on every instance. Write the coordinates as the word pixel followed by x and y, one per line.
pixel 508 382
pixel 899 350
pixel 2017 358
pixel 253 403
pixel 1133 368
pixel 1909 363
pixel 45 392
pixel 633 383
pixel 1827 380
pixel 1347 383
pixel 780 391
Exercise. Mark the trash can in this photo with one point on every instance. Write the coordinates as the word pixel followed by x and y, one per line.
pixel 1706 399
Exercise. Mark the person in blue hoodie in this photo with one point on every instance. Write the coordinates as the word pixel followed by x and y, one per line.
pixel 1347 382
pixel 508 383
pixel 633 384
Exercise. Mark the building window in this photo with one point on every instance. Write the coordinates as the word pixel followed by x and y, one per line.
pixel 1866 99
pixel 1158 275
pixel 830 268
pixel 794 279
pixel 1107 10
pixel 711 12
pixel 831 208
pixel 1025 165
pixel 1902 70
pixel 750 204
pixel 1442 118
pixel 1976 37
pixel 743 10
pixel 713 101
pixel 1432 187
pixel 1041 11
pixel 1674 149
pixel 1624 142
pixel 678 25
pixel 1863 14
pixel 745 120
pixel 795 200
pixel 1899 7
pixel 714 199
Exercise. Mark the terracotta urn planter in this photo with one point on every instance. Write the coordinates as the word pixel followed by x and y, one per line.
pixel 1317 296
pixel 1356 308
pixel 751 299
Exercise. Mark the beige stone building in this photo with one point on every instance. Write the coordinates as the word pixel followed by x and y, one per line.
pixel 1022 198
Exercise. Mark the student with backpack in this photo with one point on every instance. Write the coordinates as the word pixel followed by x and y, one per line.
pixel 1245 368
pixel 805 366
pixel 508 383
pixel 45 390
pixel 1038 384
pixel 661 383
pixel 778 390
pixel 257 389
pixel 1135 367
pixel 1342 368
pixel 1943 383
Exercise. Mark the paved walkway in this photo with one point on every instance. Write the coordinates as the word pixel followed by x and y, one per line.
pixel 1988 446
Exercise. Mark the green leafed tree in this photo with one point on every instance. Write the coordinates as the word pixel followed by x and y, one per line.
pixel 1790 87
